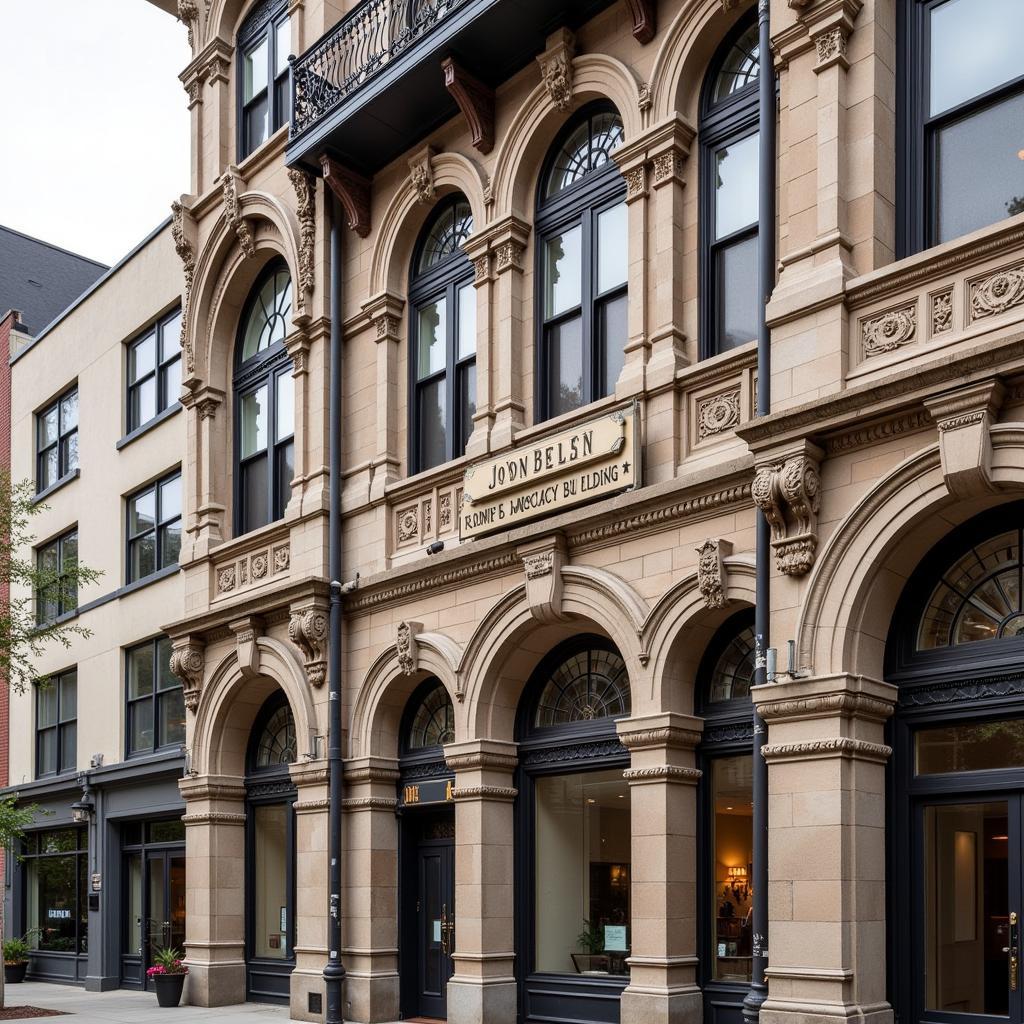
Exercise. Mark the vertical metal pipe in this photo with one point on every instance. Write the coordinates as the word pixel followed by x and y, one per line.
pixel 334 971
pixel 762 611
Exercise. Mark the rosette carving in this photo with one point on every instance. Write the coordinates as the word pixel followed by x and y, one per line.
pixel 997 293
pixel 307 629
pixel 889 331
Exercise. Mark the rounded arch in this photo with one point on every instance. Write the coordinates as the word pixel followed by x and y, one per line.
pixel 405 216
pixel 535 125
pixel 225 17
pixel 386 688
pixel 232 698
pixel 862 569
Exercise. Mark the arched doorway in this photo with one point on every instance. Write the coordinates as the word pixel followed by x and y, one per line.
pixel 426 852
pixel 573 836
pixel 270 854
pixel 956 652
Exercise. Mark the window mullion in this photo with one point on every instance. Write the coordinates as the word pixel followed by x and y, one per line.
pixel 451 353
pixel 589 255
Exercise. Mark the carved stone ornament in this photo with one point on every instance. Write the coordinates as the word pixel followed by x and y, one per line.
pixel 233 211
pixel 188 15
pixel 788 493
pixel 188 659
pixel 712 580
pixel 717 414
pixel 645 100
pixel 307 629
pixel 542 563
pixel 408 649
pixel 352 191
pixel 408 525
pixel 636 182
pixel 305 195
pixel 421 174
pixel 226 580
pixel 556 68
pixel 185 249
pixel 474 99
pixel 831 47
pixel 942 312
pixel 889 331
pixel 997 293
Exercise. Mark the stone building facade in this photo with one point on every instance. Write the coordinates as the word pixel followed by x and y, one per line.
pixel 548 222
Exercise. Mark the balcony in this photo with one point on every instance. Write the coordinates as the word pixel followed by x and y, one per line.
pixel 373 86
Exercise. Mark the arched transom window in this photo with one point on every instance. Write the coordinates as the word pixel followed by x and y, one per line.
pixel 276 744
pixel 734 669
pixel 433 722
pixel 587 685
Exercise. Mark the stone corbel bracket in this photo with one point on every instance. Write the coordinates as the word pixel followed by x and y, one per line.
pixel 188 663
pixel 964 418
pixel 787 490
pixel 232 186
pixel 407 648
pixel 307 630
pixel 645 20
pixel 421 174
pixel 712 575
pixel 352 191
pixel 247 630
pixel 475 100
pixel 542 563
pixel 556 68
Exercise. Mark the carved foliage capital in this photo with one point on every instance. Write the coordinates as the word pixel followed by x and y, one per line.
pixel 188 660
pixel 788 493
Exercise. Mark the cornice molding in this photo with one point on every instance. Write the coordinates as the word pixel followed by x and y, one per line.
pixel 825 749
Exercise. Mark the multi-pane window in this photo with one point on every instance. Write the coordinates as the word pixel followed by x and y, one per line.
pixel 57 563
pixel 265 403
pixel 56 887
pixel 729 189
pixel 583 256
pixel 57 724
pixel 264 43
pixel 57 440
pixel 156 702
pixel 963 106
pixel 154 370
pixel 443 362
pixel 154 527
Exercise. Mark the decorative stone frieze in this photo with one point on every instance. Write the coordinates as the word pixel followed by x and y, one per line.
pixel 556 68
pixel 188 662
pixel 889 330
pixel 231 184
pixel 787 492
pixel 996 293
pixel 832 746
pixel 369 803
pixel 501 794
pixel 662 773
pixel 307 629
pixel 213 818
pixel 408 649
pixel 712 579
pixel 421 175
pixel 883 430
pixel 252 568
pixel 542 562
pixel 845 704
pixel 942 312
pixel 658 732
pixel 484 756
pixel 718 413
pixel 183 231
pixel 305 194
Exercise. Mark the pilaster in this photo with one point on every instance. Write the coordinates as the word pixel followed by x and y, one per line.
pixel 384 312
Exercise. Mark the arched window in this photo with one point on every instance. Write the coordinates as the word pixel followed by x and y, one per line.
pixel 582 261
pixel 728 134
pixel 430 718
pixel 733 670
pixel 275 741
pixel 961 108
pixel 442 365
pixel 264 43
pixel 587 685
pixel 264 403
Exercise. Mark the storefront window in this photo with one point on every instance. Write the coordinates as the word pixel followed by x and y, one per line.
pixel 55 870
pixel 270 828
pixel 732 792
pixel 971 747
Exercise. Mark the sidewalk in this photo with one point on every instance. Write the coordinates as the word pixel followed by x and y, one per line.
pixel 126 1007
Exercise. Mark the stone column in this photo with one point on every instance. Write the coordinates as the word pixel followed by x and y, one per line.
pixel 483 987
pixel 214 889
pixel 663 779
pixel 826 859
pixel 310 910
pixel 370 890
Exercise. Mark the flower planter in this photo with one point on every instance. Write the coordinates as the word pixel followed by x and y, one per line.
pixel 168 988
pixel 15 973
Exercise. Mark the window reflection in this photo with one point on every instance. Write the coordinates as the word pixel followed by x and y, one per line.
pixel 732 788
pixel 970 747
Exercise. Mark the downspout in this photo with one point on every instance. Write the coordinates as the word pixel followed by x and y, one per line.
pixel 762 606
pixel 334 971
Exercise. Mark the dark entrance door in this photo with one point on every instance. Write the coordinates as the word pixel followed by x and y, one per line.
pixel 968 906
pixel 163 920
pixel 435 913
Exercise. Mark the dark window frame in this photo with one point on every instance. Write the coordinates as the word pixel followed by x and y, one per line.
pixel 443 281
pixel 730 120
pixel 413 704
pixel 917 211
pixel 155 698
pixel 159 526
pixel 579 203
pixel 58 728
pixel 261 23
pixel 65 604
pixel 155 330
pixel 263 369
pixel 62 444
pixel 32 852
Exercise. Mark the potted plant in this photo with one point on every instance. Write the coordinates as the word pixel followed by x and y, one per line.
pixel 168 976
pixel 15 959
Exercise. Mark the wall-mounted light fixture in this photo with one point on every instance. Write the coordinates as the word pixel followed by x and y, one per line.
pixel 81 810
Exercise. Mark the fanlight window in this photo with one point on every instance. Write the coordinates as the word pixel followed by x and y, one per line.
pixel 734 669
pixel 446 235
pixel 589 147
pixel 433 725
pixel 276 745
pixel 587 685
pixel 977 598
pixel 740 67
pixel 269 312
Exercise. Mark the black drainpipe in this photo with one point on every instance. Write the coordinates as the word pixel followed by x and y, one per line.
pixel 334 971
pixel 762 607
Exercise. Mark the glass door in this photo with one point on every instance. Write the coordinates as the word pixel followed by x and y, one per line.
pixel 969 903
pixel 162 921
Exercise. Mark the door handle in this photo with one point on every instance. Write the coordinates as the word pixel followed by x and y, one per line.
pixel 1013 951
pixel 444 928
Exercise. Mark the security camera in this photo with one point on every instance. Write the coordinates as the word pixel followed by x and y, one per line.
pixel 436 548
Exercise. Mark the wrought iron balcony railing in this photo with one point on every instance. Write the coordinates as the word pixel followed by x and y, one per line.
pixel 356 50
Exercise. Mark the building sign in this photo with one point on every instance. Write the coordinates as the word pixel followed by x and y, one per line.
pixel 583 463
pixel 434 791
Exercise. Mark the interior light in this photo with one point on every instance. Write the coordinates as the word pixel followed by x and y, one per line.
pixel 1003 838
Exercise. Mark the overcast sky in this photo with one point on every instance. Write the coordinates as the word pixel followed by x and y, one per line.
pixel 94 122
